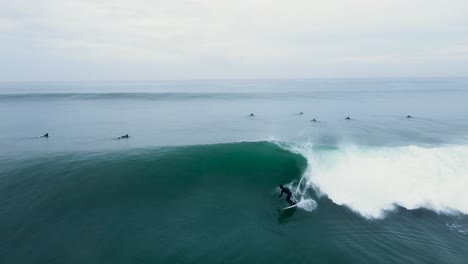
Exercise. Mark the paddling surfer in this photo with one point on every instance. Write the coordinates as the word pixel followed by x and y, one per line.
pixel 124 136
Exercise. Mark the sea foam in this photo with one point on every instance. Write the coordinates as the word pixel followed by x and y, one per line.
pixel 374 180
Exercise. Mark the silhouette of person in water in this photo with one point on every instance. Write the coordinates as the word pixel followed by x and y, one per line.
pixel 288 192
pixel 46 135
pixel 124 136
pixel 348 118
pixel 251 114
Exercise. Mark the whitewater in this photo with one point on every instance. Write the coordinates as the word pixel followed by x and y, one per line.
pixel 373 181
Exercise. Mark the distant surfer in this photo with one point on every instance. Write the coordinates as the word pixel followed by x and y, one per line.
pixel 348 118
pixel 124 136
pixel 288 192
pixel 251 114
pixel 408 116
pixel 301 113
pixel 46 135
pixel 313 120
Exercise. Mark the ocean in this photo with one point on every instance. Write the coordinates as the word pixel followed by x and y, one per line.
pixel 197 179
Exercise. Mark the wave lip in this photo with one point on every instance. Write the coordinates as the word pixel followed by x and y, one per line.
pixel 375 180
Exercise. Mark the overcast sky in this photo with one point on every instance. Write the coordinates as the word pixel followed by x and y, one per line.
pixel 217 39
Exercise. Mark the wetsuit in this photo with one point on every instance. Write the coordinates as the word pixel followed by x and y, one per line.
pixel 288 192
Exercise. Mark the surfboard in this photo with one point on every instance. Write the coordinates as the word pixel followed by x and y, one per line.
pixel 294 205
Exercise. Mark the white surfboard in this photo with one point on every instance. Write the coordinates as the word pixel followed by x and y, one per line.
pixel 290 206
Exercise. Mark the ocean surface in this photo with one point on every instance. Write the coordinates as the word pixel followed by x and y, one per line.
pixel 196 181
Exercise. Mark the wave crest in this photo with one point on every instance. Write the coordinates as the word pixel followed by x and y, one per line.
pixel 375 180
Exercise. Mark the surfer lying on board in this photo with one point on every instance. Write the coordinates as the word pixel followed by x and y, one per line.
pixel 288 192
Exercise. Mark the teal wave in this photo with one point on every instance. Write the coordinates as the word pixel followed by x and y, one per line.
pixel 197 204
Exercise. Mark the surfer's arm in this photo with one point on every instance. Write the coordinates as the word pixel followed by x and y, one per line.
pixel 281 194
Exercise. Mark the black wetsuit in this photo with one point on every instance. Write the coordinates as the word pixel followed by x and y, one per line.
pixel 288 192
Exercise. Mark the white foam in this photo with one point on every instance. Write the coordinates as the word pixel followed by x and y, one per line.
pixel 459 228
pixel 372 180
pixel 307 204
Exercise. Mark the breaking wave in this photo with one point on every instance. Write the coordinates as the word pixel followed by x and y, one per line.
pixel 375 180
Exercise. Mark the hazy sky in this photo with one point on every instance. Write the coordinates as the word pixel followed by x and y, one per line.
pixel 213 39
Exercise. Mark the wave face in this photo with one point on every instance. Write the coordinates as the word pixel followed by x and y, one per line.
pixel 375 180
pixel 241 170
pixel 149 202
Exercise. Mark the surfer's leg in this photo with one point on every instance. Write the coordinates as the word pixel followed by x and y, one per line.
pixel 288 199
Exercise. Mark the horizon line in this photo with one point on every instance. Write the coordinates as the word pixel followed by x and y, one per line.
pixel 239 79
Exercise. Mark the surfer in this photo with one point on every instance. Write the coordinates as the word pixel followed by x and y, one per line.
pixel 124 136
pixel 46 135
pixel 301 113
pixel 288 192
pixel 348 118
pixel 251 114
pixel 408 116
pixel 313 120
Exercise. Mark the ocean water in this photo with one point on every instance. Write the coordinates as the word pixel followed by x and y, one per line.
pixel 197 180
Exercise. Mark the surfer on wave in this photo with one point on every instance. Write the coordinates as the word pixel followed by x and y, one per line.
pixel 288 192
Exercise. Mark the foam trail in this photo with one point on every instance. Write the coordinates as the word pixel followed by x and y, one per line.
pixel 458 227
pixel 307 204
pixel 372 180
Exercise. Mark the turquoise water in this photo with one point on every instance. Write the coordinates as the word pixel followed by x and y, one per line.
pixel 196 181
